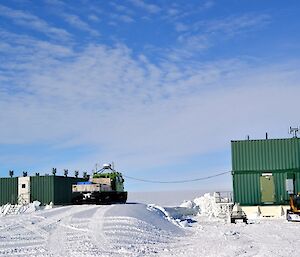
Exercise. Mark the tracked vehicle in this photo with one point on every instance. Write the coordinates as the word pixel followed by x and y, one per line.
pixel 293 214
pixel 105 187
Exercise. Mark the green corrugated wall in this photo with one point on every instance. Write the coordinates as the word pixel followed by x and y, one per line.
pixel 42 189
pixel 262 155
pixel 63 189
pixel 45 189
pixel 252 158
pixel 281 195
pixel 246 187
pixel 56 189
pixel 8 190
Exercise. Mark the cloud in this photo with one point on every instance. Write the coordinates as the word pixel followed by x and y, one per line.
pixel 78 23
pixel 151 8
pixel 55 2
pixel 138 112
pixel 93 17
pixel 33 22
pixel 122 8
pixel 126 18
pixel 121 17
pixel 202 35
pixel 173 11
pixel 180 27
pixel 233 25
pixel 208 4
pixel 180 13
pixel 188 46
pixel 23 47
pixel 194 42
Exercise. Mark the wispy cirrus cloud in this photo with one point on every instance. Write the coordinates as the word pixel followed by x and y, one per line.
pixel 126 18
pixel 33 22
pixel 122 17
pixel 151 8
pixel 123 103
pixel 180 27
pixel 230 25
pixel 233 25
pixel 22 55
pixel 78 23
pixel 137 111
pixel 93 17
pixel 176 13
pixel 122 8
pixel 200 36
pixel 123 13
pixel 56 3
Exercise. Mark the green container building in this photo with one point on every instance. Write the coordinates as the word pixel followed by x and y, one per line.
pixel 8 190
pixel 46 189
pixel 261 170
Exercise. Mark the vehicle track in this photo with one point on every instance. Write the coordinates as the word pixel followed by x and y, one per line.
pixel 72 236
pixel 128 236
pixel 85 230
pixel 29 235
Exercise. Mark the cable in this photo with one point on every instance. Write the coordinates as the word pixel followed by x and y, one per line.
pixel 177 181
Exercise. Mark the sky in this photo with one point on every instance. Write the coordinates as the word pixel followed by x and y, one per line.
pixel 158 87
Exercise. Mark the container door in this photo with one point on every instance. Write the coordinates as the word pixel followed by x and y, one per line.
pixel 24 190
pixel 267 189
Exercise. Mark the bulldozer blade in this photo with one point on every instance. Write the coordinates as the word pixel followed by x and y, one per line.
pixel 290 216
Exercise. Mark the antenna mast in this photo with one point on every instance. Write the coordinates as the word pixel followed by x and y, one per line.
pixel 294 131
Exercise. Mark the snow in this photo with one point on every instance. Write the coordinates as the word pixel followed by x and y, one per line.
pixel 178 221
pixel 187 204
pixel 192 229
pixel 10 209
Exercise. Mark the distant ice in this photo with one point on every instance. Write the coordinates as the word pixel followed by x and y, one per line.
pixel 164 198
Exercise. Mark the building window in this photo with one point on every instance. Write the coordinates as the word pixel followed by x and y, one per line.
pixel 23 185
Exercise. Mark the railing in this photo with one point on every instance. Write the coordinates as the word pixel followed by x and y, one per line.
pixel 223 197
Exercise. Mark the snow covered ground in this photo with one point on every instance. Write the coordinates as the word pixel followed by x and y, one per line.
pixel 141 230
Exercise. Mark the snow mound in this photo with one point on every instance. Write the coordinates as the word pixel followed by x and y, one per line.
pixel 141 229
pixel 179 216
pixel 187 204
pixel 151 214
pixel 90 230
pixel 49 206
pixel 32 207
pixel 209 205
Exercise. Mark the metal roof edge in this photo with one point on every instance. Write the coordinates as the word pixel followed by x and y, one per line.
pixel 269 139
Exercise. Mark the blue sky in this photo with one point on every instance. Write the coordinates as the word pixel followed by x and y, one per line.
pixel 158 87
